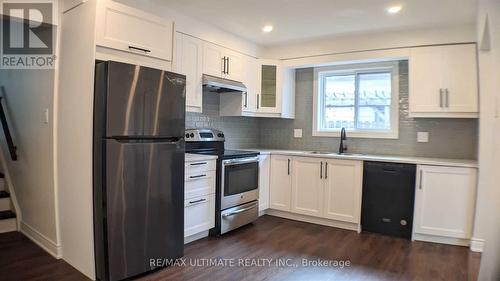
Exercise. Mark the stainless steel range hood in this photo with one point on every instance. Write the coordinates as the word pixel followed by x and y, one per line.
pixel 221 85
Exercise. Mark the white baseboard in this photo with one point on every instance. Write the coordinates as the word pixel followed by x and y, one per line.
pixel 477 245
pixel 195 237
pixel 41 240
pixel 314 220
pixel 441 239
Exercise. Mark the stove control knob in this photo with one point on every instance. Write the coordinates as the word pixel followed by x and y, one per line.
pixel 187 135
pixel 191 135
pixel 221 135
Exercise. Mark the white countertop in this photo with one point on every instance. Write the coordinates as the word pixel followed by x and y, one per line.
pixel 381 158
pixel 199 157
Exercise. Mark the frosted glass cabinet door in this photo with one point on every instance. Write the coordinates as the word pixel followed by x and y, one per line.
pixel 269 98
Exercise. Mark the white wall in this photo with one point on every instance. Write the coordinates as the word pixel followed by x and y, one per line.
pixel 372 41
pixel 487 224
pixel 28 94
pixel 74 121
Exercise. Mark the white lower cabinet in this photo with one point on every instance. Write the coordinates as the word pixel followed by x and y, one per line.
pixel 264 172
pixel 318 187
pixel 343 188
pixel 199 198
pixel 280 191
pixel 445 201
pixel 199 214
pixel 307 186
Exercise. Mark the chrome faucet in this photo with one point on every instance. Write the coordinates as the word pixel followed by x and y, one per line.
pixel 343 137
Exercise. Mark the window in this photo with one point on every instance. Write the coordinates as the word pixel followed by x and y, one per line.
pixel 363 98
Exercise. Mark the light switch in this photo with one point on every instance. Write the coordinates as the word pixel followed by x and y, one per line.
pixel 423 137
pixel 297 133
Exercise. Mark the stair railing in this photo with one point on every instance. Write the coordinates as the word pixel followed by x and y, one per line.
pixel 6 131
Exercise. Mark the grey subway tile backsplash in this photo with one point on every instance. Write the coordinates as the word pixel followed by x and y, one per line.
pixel 448 138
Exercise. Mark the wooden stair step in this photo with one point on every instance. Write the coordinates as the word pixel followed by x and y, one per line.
pixel 4 194
pixel 4 215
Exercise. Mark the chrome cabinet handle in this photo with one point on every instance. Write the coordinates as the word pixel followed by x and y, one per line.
pixel 326 170
pixel 441 97
pixel 198 176
pixel 288 166
pixel 139 49
pixel 258 97
pixel 197 201
pixel 447 104
pixel 198 164
pixel 321 171
pixel 421 178
pixel 224 65
pixel 228 62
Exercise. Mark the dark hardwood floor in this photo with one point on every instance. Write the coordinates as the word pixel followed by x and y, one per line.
pixel 371 257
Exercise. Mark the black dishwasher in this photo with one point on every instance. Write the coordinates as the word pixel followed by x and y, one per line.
pixel 388 198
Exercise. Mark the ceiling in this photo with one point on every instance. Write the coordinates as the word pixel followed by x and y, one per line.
pixel 299 20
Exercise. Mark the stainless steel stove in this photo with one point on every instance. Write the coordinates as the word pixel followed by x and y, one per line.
pixel 237 181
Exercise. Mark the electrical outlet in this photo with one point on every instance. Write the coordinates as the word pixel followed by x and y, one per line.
pixel 297 133
pixel 423 137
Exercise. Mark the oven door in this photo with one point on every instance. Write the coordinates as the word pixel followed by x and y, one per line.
pixel 239 181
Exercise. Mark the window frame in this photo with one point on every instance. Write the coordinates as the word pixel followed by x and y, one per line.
pixel 354 69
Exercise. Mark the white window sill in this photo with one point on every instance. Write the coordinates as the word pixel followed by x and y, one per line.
pixel 358 134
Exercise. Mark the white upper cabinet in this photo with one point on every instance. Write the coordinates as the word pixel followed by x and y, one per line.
pixel 189 61
pixel 280 183
pixel 269 85
pixel 445 201
pixel 235 66
pixel 343 188
pixel 443 81
pixel 221 62
pixel 307 186
pixel 131 30
pixel 250 81
pixel 214 62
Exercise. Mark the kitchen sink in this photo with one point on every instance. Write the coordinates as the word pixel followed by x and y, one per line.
pixel 335 153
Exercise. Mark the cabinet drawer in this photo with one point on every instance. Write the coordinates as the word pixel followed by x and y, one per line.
pixel 199 167
pixel 200 185
pixel 199 214
pixel 127 29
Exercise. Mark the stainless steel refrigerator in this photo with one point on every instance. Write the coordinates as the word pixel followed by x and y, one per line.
pixel 139 123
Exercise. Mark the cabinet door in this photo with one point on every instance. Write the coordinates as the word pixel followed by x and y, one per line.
pixel 268 98
pixel 445 201
pixel 235 66
pixel 127 29
pixel 281 183
pixel 250 81
pixel 307 186
pixel 460 78
pixel 264 173
pixel 190 62
pixel 213 63
pixel 426 79
pixel 343 188
pixel 199 214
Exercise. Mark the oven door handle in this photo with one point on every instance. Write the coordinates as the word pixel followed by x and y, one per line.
pixel 240 161
pixel 239 211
